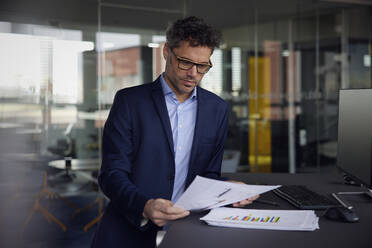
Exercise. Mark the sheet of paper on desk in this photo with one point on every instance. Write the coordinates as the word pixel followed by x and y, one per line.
pixel 294 220
pixel 205 193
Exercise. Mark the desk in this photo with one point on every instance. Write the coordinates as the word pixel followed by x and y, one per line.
pixel 71 184
pixel 77 164
pixel 191 232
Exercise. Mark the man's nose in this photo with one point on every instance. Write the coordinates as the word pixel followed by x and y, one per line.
pixel 193 71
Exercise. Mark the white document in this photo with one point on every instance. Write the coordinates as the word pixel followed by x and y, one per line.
pixel 295 220
pixel 205 193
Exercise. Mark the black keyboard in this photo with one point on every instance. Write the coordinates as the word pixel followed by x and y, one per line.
pixel 304 198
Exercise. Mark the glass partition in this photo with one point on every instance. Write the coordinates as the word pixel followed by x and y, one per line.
pixel 280 75
pixel 42 88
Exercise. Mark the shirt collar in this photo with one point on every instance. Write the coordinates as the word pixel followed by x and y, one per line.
pixel 167 90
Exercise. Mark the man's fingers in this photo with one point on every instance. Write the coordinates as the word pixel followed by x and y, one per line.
pixel 164 210
pixel 161 219
pixel 177 216
pixel 167 207
pixel 164 216
pixel 242 203
pixel 160 211
pixel 246 201
pixel 159 222
pixel 173 210
pixel 253 198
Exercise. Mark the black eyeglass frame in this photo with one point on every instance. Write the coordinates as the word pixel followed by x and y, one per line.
pixel 188 64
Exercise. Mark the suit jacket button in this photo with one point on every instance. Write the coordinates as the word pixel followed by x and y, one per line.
pixel 171 178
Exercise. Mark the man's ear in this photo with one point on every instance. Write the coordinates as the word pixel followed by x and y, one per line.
pixel 165 51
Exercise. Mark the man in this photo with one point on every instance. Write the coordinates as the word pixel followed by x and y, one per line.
pixel 158 137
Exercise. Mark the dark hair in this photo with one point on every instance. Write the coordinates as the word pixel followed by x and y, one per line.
pixel 195 31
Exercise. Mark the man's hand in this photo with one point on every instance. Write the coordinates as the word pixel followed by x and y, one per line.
pixel 246 201
pixel 160 211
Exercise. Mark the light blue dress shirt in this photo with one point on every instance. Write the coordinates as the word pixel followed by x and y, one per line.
pixel 182 118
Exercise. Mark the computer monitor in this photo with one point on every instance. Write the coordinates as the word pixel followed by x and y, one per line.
pixel 354 155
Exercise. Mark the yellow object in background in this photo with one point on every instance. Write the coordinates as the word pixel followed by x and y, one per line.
pixel 259 136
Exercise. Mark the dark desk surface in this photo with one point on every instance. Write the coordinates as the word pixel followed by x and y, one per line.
pixel 191 232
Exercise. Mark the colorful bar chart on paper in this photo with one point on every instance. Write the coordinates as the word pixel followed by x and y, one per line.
pixel 303 220
pixel 250 218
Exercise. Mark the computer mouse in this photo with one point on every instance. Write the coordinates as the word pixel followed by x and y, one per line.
pixel 341 214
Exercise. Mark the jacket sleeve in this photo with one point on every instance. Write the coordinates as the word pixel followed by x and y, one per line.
pixel 213 170
pixel 117 156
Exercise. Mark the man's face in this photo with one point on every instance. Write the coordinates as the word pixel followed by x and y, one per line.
pixel 182 81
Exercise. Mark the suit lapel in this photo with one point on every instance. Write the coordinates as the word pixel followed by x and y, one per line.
pixel 200 118
pixel 161 107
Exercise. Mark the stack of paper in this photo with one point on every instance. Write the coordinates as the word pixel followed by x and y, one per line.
pixel 296 220
pixel 205 193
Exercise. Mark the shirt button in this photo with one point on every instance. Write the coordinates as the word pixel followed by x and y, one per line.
pixel 179 148
pixel 180 126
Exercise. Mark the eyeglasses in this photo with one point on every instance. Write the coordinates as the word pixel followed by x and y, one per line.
pixel 186 64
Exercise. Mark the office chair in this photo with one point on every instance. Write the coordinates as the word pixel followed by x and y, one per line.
pixel 65 148
pixel 49 195
pixel 100 200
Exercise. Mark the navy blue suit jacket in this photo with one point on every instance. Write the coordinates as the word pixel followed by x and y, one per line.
pixel 138 159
